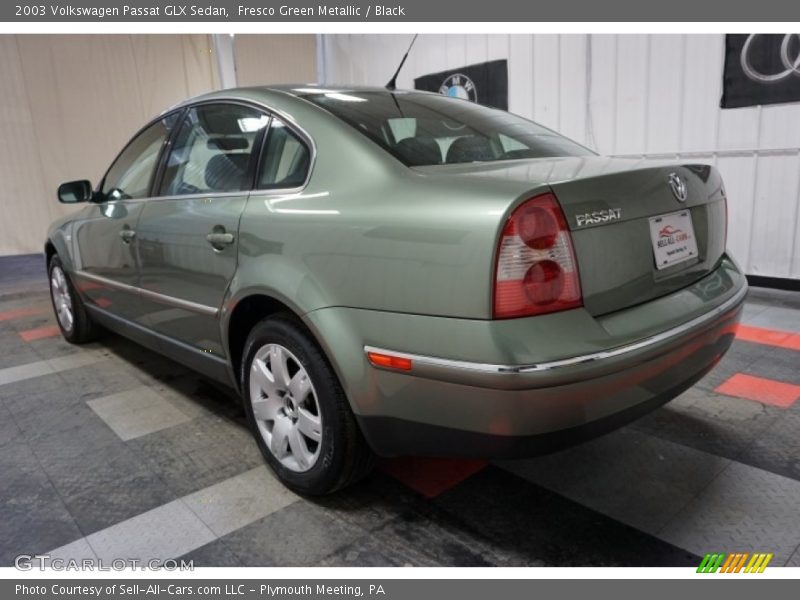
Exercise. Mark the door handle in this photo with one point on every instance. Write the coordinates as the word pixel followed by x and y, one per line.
pixel 219 239
pixel 127 235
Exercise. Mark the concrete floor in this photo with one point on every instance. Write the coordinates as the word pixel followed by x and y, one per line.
pixel 108 450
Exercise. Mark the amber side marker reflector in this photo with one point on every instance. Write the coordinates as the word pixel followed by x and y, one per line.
pixel 387 361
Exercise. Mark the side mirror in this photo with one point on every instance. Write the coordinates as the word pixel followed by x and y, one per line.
pixel 73 192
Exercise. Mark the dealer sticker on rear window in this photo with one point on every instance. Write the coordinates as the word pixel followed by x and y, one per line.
pixel 673 238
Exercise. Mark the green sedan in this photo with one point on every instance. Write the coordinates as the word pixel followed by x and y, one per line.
pixel 382 272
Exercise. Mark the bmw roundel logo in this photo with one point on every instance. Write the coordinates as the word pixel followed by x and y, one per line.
pixel 459 85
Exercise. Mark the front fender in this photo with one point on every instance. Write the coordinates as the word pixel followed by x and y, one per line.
pixel 59 235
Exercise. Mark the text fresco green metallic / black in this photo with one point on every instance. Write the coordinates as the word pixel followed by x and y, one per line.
pixel 397 11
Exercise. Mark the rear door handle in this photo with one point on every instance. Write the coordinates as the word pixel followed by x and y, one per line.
pixel 127 235
pixel 219 240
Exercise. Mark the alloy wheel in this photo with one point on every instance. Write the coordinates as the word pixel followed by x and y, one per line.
pixel 61 298
pixel 285 407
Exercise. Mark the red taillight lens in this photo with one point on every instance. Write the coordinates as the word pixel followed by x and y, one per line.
pixel 536 268
pixel 538 227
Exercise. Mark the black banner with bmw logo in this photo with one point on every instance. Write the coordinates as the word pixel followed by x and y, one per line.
pixel 761 69
pixel 484 83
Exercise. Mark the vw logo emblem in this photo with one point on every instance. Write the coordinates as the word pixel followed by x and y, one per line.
pixel 678 187
pixel 791 64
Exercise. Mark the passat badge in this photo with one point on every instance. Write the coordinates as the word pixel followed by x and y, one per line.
pixel 598 216
pixel 678 187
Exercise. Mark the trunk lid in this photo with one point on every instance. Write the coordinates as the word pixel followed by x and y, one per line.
pixel 623 214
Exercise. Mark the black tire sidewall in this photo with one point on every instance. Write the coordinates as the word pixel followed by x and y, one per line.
pixel 324 476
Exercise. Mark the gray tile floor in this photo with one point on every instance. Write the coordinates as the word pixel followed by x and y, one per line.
pixel 109 450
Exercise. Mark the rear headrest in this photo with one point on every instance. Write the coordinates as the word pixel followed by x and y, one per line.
pixel 226 144
pixel 419 151
pixel 468 149
pixel 220 121
pixel 225 172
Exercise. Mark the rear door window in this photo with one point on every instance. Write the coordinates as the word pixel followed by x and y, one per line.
pixel 213 151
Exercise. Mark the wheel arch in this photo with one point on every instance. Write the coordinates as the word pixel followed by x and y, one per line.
pixel 49 251
pixel 250 309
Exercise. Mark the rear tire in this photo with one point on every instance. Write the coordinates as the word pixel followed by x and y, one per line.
pixel 298 411
pixel 74 321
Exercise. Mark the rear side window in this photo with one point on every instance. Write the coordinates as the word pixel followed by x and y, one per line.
pixel 132 172
pixel 285 160
pixel 212 151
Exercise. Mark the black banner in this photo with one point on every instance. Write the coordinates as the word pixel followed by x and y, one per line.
pixel 761 69
pixel 485 83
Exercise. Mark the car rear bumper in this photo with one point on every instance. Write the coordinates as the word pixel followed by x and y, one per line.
pixel 555 372
pixel 391 436
pixel 455 407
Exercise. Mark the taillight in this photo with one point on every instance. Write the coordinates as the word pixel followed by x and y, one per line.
pixel 536 271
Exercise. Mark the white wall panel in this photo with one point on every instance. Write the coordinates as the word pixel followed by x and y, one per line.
pixel 520 79
pixel 702 89
pixel 497 46
pixel 774 216
pixel 738 128
pixel 780 126
pixel 477 49
pixel 633 77
pixel 652 96
pixel 602 126
pixel 739 173
pixel 572 88
pixel 664 93
pixel 546 80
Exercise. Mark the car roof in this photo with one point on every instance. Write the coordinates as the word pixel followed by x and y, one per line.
pixel 294 90
pixel 302 89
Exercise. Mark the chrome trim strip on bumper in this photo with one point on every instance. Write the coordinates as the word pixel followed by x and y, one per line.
pixel 151 295
pixel 419 360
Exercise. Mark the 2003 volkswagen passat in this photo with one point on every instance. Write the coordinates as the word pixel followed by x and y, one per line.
pixel 385 272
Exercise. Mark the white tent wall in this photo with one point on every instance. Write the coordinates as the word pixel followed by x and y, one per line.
pixel 67 106
pixel 648 96
pixel 277 58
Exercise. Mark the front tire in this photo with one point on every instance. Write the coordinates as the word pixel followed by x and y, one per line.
pixel 298 411
pixel 74 321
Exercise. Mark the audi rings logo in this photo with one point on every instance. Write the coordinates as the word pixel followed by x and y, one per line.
pixel 789 57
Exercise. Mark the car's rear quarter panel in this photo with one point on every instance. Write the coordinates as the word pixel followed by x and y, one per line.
pixel 367 232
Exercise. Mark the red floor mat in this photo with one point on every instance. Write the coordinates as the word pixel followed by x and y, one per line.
pixel 771 337
pixel 40 332
pixel 19 313
pixel 761 390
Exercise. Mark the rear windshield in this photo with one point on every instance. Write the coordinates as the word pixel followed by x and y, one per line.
pixel 428 129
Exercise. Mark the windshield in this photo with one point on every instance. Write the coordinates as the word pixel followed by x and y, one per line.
pixel 428 129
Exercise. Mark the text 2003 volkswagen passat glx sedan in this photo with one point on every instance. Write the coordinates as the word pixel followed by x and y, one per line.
pixel 386 272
